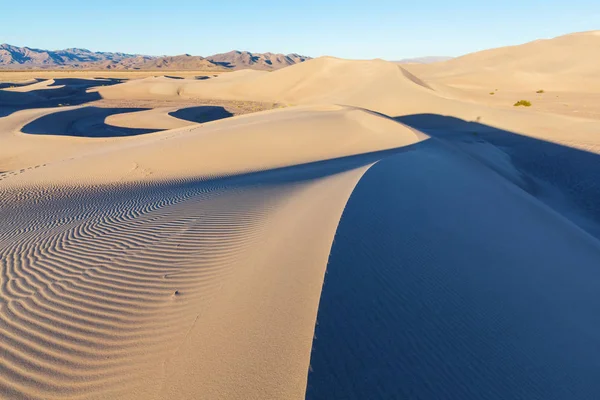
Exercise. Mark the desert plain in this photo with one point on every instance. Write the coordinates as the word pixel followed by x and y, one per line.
pixel 335 229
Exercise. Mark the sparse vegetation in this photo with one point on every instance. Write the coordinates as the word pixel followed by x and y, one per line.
pixel 524 103
pixel 492 93
pixel 540 91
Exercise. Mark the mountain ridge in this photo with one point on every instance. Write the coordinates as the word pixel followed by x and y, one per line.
pixel 14 57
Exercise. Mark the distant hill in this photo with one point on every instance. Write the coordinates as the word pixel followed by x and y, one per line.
pixel 13 57
pixel 181 62
pixel 423 60
pixel 263 61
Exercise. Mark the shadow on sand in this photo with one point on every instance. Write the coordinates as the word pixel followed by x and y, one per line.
pixel 73 92
pixel 5 85
pixel 84 122
pixel 565 178
pixel 201 114
pixel 447 281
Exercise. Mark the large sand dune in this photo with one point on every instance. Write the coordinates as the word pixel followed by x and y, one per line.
pixel 156 244
pixel 564 63
pixel 371 84
pixel 476 290
pixel 150 252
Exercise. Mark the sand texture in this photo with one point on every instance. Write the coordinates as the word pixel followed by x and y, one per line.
pixel 335 229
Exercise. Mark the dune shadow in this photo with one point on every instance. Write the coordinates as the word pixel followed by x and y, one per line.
pixel 201 114
pixel 6 111
pixel 63 92
pixel 457 271
pixel 445 281
pixel 84 122
pixel 563 177
pixel 5 85
pixel 86 83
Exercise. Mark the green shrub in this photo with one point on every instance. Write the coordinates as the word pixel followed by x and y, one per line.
pixel 523 103
pixel 540 91
pixel 492 93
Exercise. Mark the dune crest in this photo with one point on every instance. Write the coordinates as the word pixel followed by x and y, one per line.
pixel 255 142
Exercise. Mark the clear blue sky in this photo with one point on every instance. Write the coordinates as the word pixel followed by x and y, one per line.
pixel 350 29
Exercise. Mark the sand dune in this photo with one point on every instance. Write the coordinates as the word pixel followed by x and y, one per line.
pixel 375 85
pixel 565 63
pixel 456 276
pixel 84 121
pixel 319 133
pixel 25 82
pixel 67 85
pixel 322 80
pixel 167 117
pixel 156 244
pixel 150 252
pixel 116 302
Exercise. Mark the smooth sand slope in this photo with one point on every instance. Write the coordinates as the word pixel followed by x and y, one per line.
pixel 564 63
pixel 147 253
pixel 558 76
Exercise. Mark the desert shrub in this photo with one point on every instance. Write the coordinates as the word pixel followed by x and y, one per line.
pixel 492 93
pixel 524 103
pixel 540 91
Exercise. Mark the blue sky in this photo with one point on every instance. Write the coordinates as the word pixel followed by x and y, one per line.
pixel 350 29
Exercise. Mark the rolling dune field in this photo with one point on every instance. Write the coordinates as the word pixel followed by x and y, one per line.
pixel 335 229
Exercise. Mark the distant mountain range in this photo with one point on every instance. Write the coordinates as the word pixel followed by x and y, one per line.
pixel 265 61
pixel 13 57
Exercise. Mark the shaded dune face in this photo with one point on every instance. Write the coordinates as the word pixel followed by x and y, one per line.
pixel 6 85
pixel 561 176
pixel 91 121
pixel 50 93
pixel 201 114
pixel 454 283
pixel 83 122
